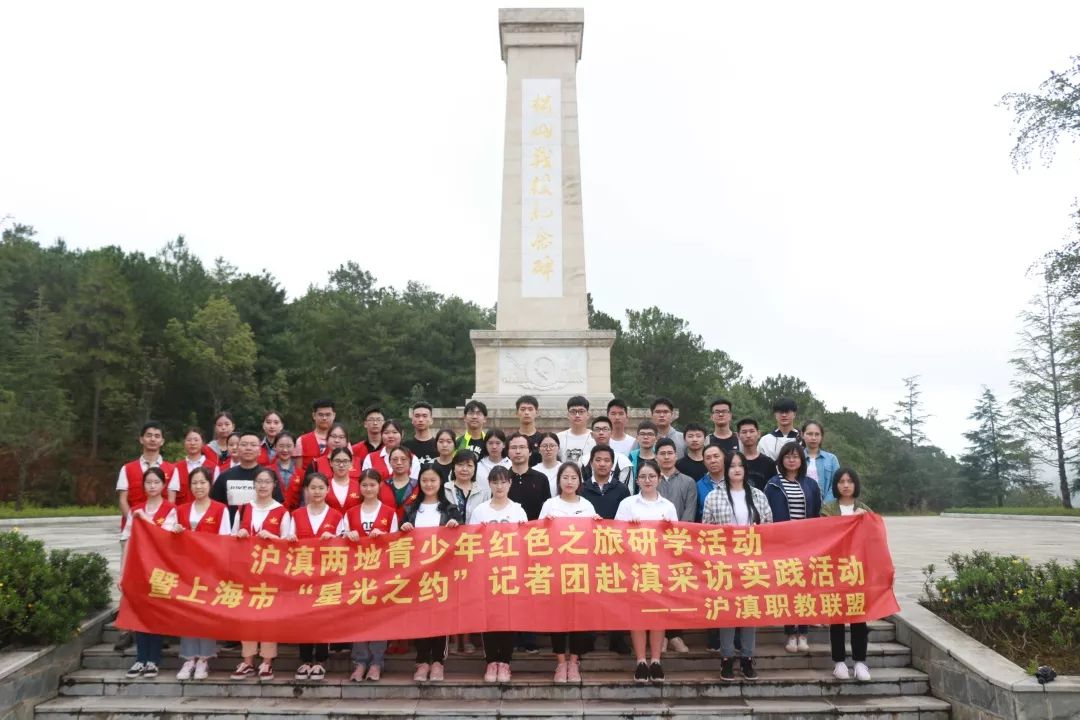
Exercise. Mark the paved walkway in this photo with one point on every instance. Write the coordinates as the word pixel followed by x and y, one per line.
pixel 915 541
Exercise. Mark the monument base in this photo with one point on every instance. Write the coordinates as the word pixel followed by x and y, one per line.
pixel 553 365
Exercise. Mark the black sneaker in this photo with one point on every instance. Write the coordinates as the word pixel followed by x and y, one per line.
pixel 727 669
pixel 747 667
pixel 656 673
pixel 641 674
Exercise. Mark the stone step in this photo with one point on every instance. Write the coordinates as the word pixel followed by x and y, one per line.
pixel 620 686
pixel 880 707
pixel 768 657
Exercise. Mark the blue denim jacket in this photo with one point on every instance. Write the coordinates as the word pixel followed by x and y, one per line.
pixel 827 465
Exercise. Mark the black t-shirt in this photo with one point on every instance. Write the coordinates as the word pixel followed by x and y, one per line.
pixel 534 448
pixel 728 444
pixel 530 489
pixel 423 450
pixel 443 470
pixel 759 470
pixel 694 469
pixel 241 481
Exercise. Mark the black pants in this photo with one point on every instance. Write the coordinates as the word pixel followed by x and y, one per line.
pixel 578 641
pixel 860 634
pixel 314 653
pixel 430 650
pixel 498 647
pixel 796 630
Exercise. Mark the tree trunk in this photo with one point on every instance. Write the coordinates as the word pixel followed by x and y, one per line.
pixel 94 419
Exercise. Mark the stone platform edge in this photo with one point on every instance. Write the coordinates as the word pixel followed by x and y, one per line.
pixel 29 676
pixel 1006 516
pixel 975 680
pixel 7 523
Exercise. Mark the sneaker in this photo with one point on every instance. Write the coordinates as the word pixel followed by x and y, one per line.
pixel 151 671
pixel 804 646
pixel 792 644
pixel 202 669
pixel 374 673
pixel 656 673
pixel 303 672
pixel 747 667
pixel 266 670
pixel 677 645
pixel 491 672
pixel 136 670
pixel 243 671
pixel 727 669
pixel 840 672
pixel 641 673
pixel 318 672
pixel 573 671
pixel 421 674
pixel 358 673
pixel 504 671
pixel 560 672
pixel 862 673
pixel 713 650
pixel 438 673
pixel 186 670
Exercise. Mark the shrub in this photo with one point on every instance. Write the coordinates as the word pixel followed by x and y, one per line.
pixel 44 596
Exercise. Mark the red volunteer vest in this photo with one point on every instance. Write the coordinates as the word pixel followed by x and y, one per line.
pixel 272 523
pixel 302 523
pixel 322 465
pixel 309 451
pixel 209 454
pixel 162 512
pixel 135 493
pixel 387 496
pixel 352 497
pixel 210 522
pixel 361 450
pixel 183 495
pixel 382 522
pixel 379 464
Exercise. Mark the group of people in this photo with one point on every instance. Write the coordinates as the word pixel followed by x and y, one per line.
pixel 321 485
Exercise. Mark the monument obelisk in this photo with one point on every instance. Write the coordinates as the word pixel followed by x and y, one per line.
pixel 542 344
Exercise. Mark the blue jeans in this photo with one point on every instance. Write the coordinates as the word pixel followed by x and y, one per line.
pixel 369 653
pixel 148 647
pixel 192 648
pixel 746 636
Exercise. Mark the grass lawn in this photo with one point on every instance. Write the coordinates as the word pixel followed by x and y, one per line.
pixel 7 511
pixel 1056 510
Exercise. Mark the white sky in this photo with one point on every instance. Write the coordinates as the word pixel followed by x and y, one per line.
pixel 820 189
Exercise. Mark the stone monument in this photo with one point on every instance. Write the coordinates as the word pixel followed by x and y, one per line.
pixel 541 344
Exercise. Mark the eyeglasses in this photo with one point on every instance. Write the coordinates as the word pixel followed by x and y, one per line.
pixel 342 461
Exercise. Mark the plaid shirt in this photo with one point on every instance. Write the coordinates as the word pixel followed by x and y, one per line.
pixel 718 510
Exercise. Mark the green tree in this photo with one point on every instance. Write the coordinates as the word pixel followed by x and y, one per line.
pixel 908 420
pixel 997 461
pixel 1044 119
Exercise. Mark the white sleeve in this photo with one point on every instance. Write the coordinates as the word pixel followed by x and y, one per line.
pixel 226 523
pixel 121 479
pixel 414 469
pixel 217 471
pixel 545 511
pixel 126 532
pixel 623 513
pixel 367 462
pixel 591 509
pixel 478 514
pixel 519 514
pixel 343 525
pixel 393 523
pixel 170 521
pixel 174 481
pixel 286 525
pixel 670 513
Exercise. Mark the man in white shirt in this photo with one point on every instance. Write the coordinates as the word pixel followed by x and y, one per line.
pixel 601 432
pixel 576 442
pixel 620 441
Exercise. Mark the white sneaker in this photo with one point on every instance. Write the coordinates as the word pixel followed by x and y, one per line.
pixel 186 670
pixel 202 669
pixel 840 672
pixel 792 644
pixel 136 670
pixel 151 671
pixel 803 645
pixel 677 645
pixel 862 673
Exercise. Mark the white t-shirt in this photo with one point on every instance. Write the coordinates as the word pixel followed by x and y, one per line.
pixel 316 521
pixel 172 482
pixel 513 512
pixel 550 472
pixel 624 446
pixel 846 509
pixel 738 506
pixel 484 467
pixel 427 515
pixel 637 507
pixel 367 519
pixel 195 516
pixel 258 517
pixel 559 508
pixel 575 448
pixel 340 492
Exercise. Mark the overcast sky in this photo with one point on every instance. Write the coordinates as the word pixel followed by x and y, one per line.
pixel 820 189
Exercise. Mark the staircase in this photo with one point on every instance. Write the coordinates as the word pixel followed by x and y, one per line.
pixel 790 685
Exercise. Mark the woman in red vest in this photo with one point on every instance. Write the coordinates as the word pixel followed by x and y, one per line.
pixel 266 518
pixel 315 520
pixel 344 490
pixel 193 448
pixel 224 426
pixel 161 513
pixel 338 437
pixel 401 488
pixel 200 514
pixel 370 518
pixel 228 460
pixel 391 438
pixel 272 426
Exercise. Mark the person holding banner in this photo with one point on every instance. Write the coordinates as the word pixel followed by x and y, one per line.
pixel 846 489
pixel 264 517
pixel 157 511
pixel 569 504
pixel 208 516
pixel 402 487
pixel 735 502
pixel 316 520
pixel 647 504
pixel 431 509
pixel 793 496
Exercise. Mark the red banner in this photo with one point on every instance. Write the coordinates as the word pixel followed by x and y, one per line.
pixel 545 576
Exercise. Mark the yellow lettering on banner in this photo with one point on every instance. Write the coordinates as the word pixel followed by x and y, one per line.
pixel 712 541
pixel 329 594
pixel 434 586
pixel 543 130
pixel 717 575
pixel 263 555
pixel 538 542
pixel 747 606
pixel 646 577
pixel 541 241
pixel 541 104
pixel 335 560
pixel 538 213
pixel 229 594
pixel 501 579
pixel 540 185
pixel 777 606
pixel 502 544
pixel 261 596
pixel 574 536
pixel 362 592
pixel 789 573
pixel 677 540
pixel 196 588
pixel 642 541
pixel 746 541
pixel 300 561
pixel 574 578
pixel 393 596
pixel 544 266
pixel 830 604
pixel 821 571
pixel 433 549
pixel 607 540
pixel 851 571
pixel 541 157
pixel 753 574
pixel 538 579
pixel 805 605
pixel 162 583
pixel 714 606
pixel 609 578
pixel 468 545
pixel 400 552
pixel 681 577
pixel 367 558
pixel 856 603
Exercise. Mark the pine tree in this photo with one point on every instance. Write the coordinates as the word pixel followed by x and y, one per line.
pixel 908 419
pixel 997 460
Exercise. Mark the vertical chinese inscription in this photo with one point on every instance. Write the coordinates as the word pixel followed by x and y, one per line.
pixel 541 188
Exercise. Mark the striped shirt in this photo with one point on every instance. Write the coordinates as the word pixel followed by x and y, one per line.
pixel 796 499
